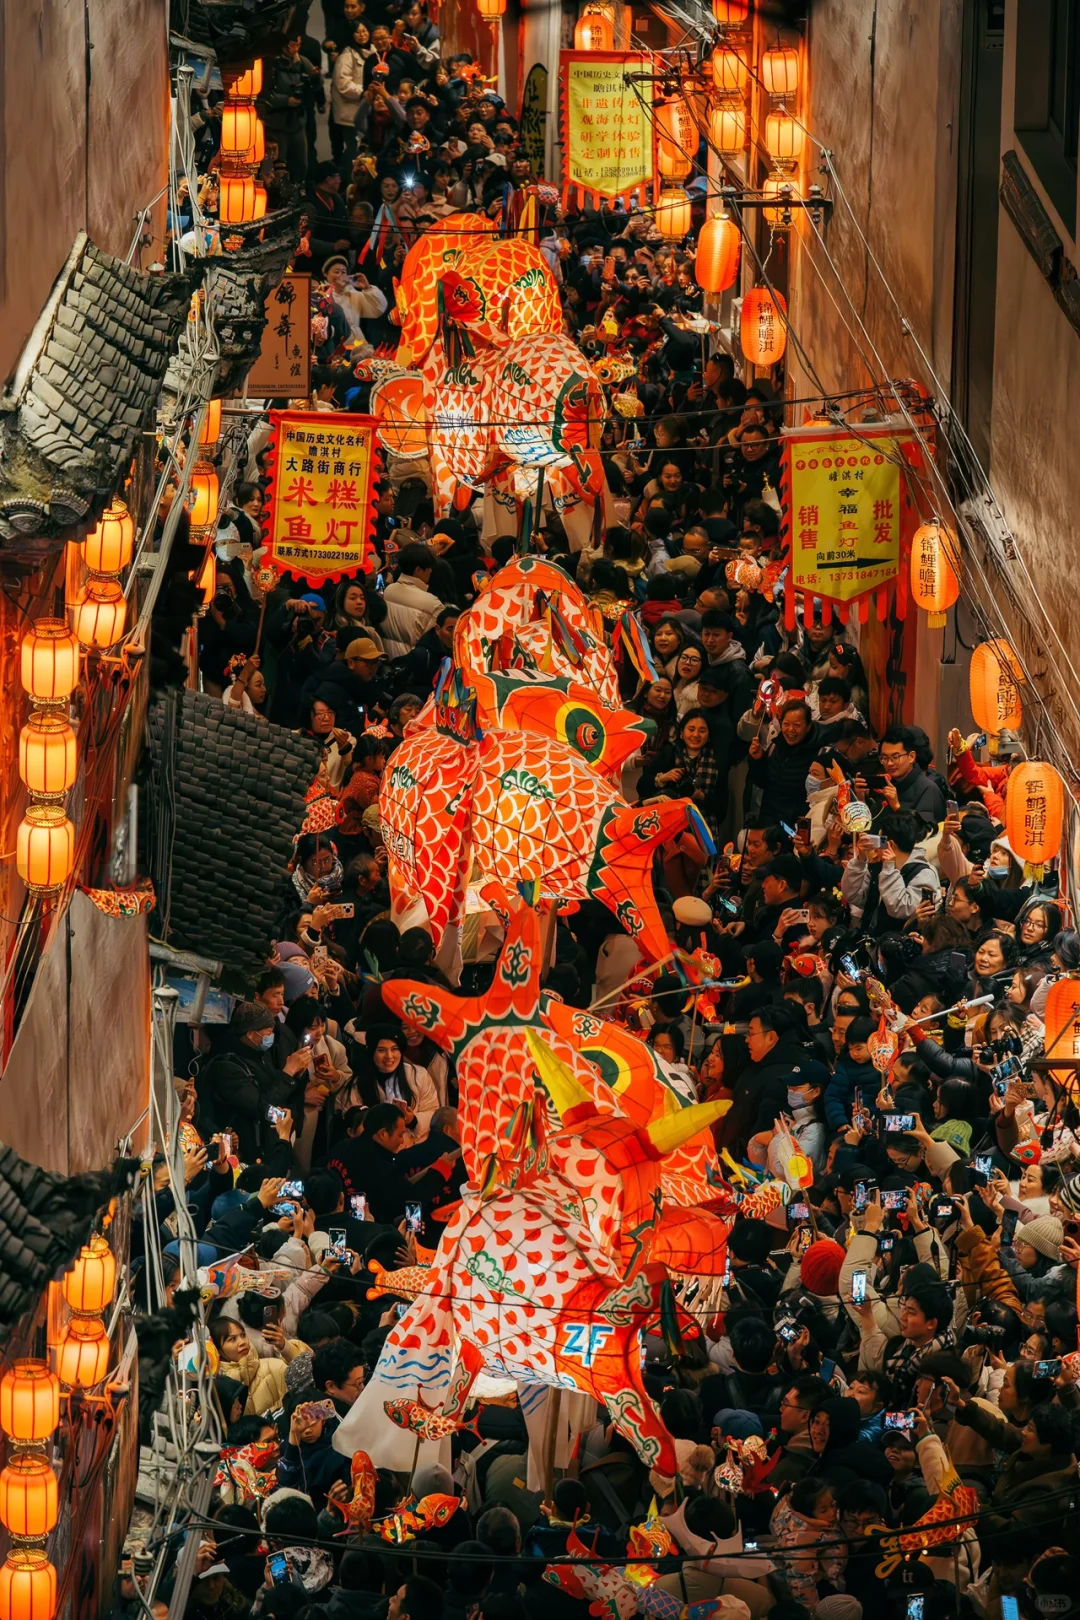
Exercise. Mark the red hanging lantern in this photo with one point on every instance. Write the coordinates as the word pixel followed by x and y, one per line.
pixel 762 328
pixel 1034 815
pixel 27 1586
pixel 935 580
pixel 717 262
pixel 731 13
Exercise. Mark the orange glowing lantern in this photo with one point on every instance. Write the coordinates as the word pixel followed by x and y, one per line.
pixel 238 121
pixel 98 613
pixel 203 496
pixel 728 71
pixel 762 326
pixel 28 1496
pixel 83 1356
pixel 677 140
pixel 27 1586
pixel 49 661
pixel 727 130
pixel 48 761
pixel 91 1283
pixel 260 202
pixel 730 13
pixel 211 428
pixel 1034 817
pixel 244 83
pixel 236 199
pixel 491 10
pixel 994 689
pixel 29 1401
pixel 783 189
pixel 783 137
pixel 258 150
pixel 1061 1021
pixel 44 848
pixel 108 547
pixel 717 261
pixel 594 31
pixel 673 214
pixel 935 582
pixel 780 70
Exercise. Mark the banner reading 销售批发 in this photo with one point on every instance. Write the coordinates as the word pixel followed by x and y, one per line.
pixel 847 514
pixel 607 123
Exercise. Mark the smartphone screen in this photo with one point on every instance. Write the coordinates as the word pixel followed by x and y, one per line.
pixel 858 1287
pixel 1008 1225
pixel 414 1217
pixel 1010 1608
pixel 279 1569
pixel 358 1205
pixel 337 1237
pixel 899 1122
pixel 914 1610
pixel 900 1420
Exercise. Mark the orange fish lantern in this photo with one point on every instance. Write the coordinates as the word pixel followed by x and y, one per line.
pixel 1061 1020
pixel 883 1046
pixel 436 251
pixel 606 737
pixel 532 592
pixel 502 289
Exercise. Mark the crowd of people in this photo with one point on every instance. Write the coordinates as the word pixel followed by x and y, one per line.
pixel 895 1345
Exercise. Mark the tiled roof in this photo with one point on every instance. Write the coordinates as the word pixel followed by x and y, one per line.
pixel 86 385
pixel 44 1220
pixel 236 30
pixel 230 788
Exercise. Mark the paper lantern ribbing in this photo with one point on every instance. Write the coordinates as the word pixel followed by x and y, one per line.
pixel 780 70
pixel 727 130
pixel 1034 814
pixel 27 1586
pixel 108 547
pixel 594 31
pixel 935 580
pixel 29 1499
pixel 716 265
pixel 527 592
pixel 49 661
pixel 762 326
pixel 673 214
pixel 994 689
pixel 784 137
pixel 436 250
pixel 728 71
pixel 29 1401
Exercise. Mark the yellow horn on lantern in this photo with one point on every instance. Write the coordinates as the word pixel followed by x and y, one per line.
pixel 672 1130
pixel 560 1083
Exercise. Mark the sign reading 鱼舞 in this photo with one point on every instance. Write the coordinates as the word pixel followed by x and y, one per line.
pixel 283 367
pixel 607 122
pixel 321 507
pixel 846 511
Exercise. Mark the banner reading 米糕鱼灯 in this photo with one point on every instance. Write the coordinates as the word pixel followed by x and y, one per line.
pixel 607 122
pixel 321 507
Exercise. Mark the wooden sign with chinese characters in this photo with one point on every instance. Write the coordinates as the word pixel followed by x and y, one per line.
pixel 534 117
pixel 283 368
pixel 607 123
pixel 321 504
pixel 847 514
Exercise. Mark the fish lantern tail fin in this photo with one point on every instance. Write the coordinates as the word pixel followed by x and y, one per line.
pixel 621 873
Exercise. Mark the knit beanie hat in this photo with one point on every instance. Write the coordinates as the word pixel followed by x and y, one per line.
pixel 1044 1234
pixel 1069 1195
pixel 839 1606
pixel 249 1015
pixel 821 1266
